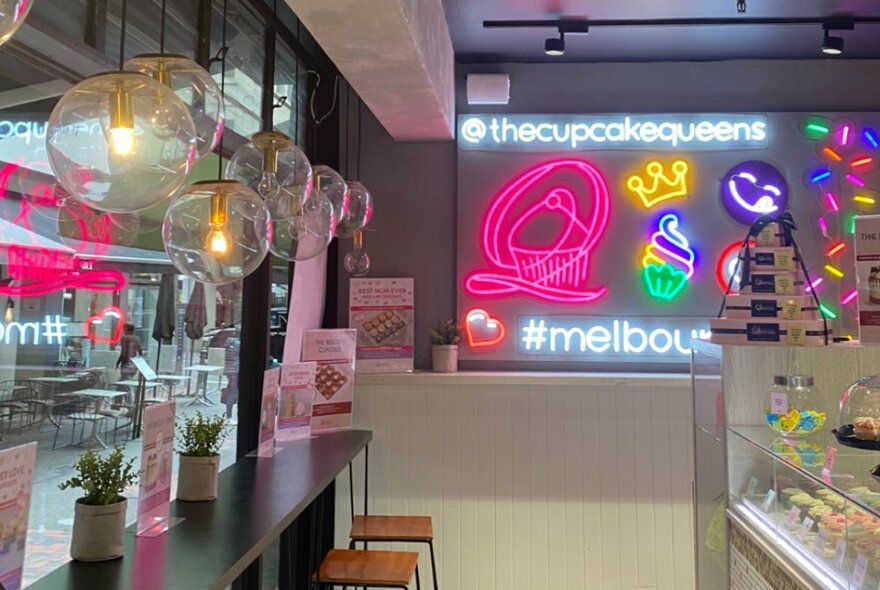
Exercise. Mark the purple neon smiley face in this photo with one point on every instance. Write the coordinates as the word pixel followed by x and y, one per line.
pixel 752 189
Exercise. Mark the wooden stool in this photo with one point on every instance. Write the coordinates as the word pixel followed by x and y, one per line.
pixel 395 529
pixel 368 569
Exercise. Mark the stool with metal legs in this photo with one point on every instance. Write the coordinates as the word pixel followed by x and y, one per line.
pixel 389 529
pixel 368 569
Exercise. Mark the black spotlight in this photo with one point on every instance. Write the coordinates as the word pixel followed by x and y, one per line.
pixel 554 46
pixel 832 45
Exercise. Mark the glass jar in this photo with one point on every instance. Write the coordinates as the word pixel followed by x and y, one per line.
pixel 792 411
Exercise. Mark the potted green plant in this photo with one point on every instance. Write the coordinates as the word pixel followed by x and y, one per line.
pixel 99 519
pixel 444 353
pixel 200 441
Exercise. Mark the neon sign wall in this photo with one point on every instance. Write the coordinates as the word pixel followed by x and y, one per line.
pixel 610 238
pixel 575 132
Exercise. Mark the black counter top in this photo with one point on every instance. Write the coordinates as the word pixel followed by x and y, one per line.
pixel 258 499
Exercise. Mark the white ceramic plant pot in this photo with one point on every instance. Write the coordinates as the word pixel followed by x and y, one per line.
pixel 98 532
pixel 197 478
pixel 445 358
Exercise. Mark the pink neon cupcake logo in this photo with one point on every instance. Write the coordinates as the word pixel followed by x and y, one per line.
pixel 567 200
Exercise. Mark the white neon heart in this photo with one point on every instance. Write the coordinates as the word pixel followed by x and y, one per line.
pixel 764 205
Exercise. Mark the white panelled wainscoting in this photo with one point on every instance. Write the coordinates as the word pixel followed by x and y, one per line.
pixel 534 481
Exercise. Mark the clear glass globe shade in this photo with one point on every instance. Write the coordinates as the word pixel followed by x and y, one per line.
pixel 330 184
pixel 357 263
pixel 217 232
pixel 360 210
pixel 12 14
pixel 300 233
pixel 194 86
pixel 271 162
pixel 107 148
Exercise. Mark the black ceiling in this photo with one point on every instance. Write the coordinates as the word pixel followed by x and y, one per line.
pixel 473 43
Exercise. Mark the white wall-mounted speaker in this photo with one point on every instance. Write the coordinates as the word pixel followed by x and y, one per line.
pixel 488 88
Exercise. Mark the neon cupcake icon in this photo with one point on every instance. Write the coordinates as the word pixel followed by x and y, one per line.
pixel 668 262
pixel 537 238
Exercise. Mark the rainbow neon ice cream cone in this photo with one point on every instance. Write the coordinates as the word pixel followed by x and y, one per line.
pixel 668 261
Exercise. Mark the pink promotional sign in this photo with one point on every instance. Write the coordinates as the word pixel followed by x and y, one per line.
pixel 382 312
pixel 334 353
pixel 16 479
pixel 154 495
pixel 295 400
pixel 268 412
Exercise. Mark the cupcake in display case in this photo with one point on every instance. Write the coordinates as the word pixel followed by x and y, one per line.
pixel 792 411
pixel 859 424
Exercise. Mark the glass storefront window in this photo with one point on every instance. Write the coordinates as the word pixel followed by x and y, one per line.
pixel 245 38
pixel 81 289
pixel 291 85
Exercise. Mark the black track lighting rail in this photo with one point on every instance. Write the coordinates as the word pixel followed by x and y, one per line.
pixel 828 23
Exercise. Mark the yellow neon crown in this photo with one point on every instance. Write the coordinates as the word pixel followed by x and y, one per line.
pixel 659 187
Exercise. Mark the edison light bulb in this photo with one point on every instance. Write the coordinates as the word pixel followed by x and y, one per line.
pixel 121 128
pixel 218 241
pixel 269 184
pixel 122 140
pixel 357 263
pixel 8 314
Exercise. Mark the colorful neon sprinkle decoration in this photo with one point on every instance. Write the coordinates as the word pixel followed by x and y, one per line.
pixel 826 311
pixel 577 196
pixel 834 271
pixel 852 223
pixel 858 163
pixel 820 175
pixel 832 201
pixel 836 248
pixel 845 133
pixel 832 155
pixel 869 136
pixel 817 128
pixel 815 284
pixel 668 261
pixel 823 226
pixel 864 199
pixel 855 180
pixel 849 297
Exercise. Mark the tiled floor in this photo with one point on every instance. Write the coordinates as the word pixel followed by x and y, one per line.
pixel 51 517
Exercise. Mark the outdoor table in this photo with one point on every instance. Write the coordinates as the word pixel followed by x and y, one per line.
pixel 202 398
pixel 173 380
pixel 98 394
pixel 258 501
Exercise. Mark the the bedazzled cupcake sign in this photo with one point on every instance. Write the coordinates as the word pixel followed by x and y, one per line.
pixel 537 204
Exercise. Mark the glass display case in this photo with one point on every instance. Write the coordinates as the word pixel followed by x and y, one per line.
pixel 809 505
pixel 816 501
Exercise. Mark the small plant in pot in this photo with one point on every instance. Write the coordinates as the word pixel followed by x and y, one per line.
pixel 444 353
pixel 200 441
pixel 99 520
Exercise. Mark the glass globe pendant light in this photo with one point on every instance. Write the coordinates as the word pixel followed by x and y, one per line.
pixel 217 231
pixel 333 188
pixel 280 173
pixel 359 212
pixel 107 148
pixel 12 14
pixel 357 262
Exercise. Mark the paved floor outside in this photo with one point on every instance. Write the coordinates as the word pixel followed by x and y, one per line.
pixel 51 516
